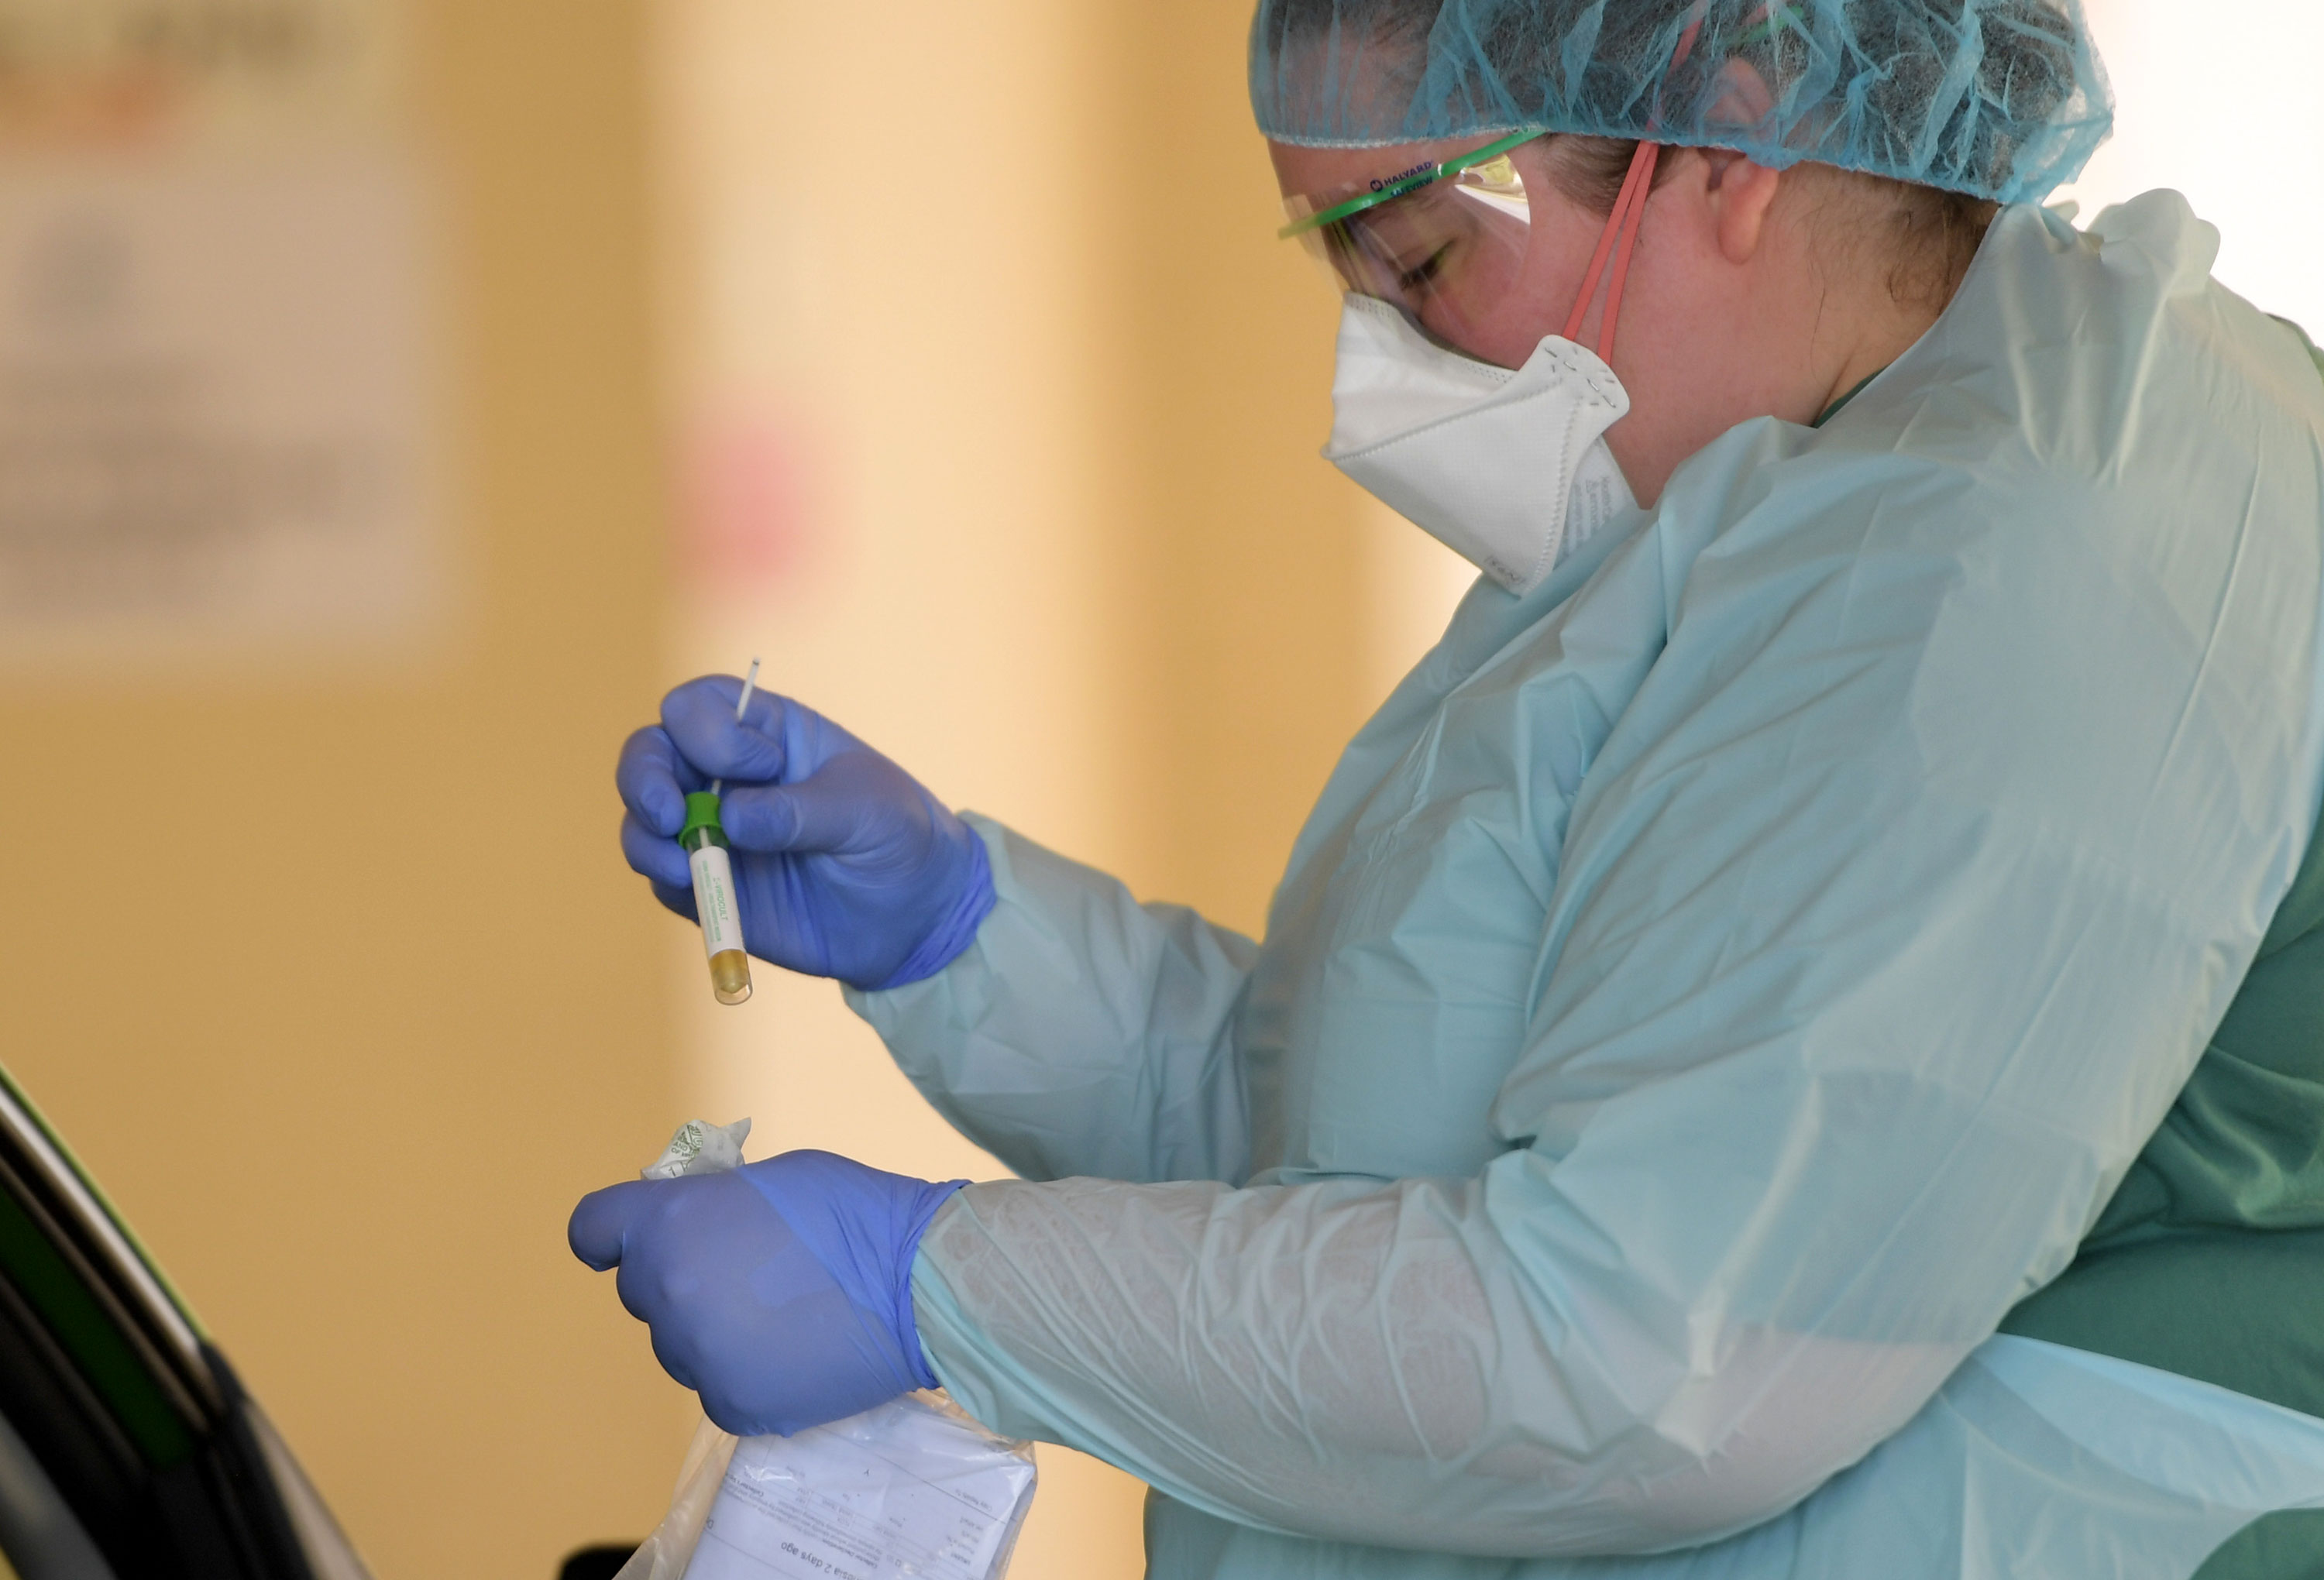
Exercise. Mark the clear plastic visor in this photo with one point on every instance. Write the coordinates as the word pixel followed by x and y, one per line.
pixel 1448 240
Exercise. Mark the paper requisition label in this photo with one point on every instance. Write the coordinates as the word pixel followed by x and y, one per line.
pixel 714 900
pixel 896 1491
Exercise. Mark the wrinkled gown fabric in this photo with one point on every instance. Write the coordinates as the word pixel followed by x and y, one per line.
pixel 1708 995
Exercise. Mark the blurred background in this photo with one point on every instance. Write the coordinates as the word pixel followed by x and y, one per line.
pixel 397 396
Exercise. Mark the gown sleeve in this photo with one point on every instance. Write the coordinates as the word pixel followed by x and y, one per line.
pixel 1894 910
pixel 1082 1033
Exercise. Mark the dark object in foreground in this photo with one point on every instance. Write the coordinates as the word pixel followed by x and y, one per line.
pixel 127 1445
pixel 595 1563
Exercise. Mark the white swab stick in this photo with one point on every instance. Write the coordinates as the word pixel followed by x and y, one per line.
pixel 741 703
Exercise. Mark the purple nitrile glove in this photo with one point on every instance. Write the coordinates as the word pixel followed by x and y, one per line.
pixel 782 1292
pixel 844 865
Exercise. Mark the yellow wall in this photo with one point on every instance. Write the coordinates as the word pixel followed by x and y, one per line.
pixel 338 984
pixel 1240 576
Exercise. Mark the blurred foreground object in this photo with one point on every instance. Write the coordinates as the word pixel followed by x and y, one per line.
pixel 127 1445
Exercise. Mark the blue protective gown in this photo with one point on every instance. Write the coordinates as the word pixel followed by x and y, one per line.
pixel 1708 995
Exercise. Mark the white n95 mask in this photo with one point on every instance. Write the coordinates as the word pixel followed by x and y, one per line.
pixel 1509 470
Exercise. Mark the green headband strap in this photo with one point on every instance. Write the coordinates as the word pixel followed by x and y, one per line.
pixel 1403 184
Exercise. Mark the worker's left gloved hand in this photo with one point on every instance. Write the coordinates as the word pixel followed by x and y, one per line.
pixel 779 1292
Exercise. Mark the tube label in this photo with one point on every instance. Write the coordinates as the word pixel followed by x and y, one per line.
pixel 714 900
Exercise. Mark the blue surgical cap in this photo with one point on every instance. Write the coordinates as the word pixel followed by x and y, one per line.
pixel 1999 99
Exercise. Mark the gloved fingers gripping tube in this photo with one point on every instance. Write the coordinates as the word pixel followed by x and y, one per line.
pixel 832 860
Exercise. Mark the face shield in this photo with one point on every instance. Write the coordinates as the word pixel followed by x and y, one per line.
pixel 1450 242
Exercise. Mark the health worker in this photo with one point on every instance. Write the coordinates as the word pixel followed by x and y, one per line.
pixel 1793 1044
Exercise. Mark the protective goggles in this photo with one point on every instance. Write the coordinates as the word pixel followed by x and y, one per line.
pixel 1447 243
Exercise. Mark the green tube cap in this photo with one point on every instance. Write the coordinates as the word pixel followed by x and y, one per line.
pixel 701 813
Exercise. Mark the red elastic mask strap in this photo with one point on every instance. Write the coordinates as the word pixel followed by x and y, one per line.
pixel 1616 242
pixel 1621 232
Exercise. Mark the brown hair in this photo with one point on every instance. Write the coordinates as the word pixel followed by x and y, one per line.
pixel 1932 235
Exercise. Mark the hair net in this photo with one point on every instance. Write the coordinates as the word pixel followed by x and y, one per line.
pixel 2001 98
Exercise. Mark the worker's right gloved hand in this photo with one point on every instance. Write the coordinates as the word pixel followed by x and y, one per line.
pixel 844 865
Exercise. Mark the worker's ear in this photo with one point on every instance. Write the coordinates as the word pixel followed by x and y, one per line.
pixel 1740 191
